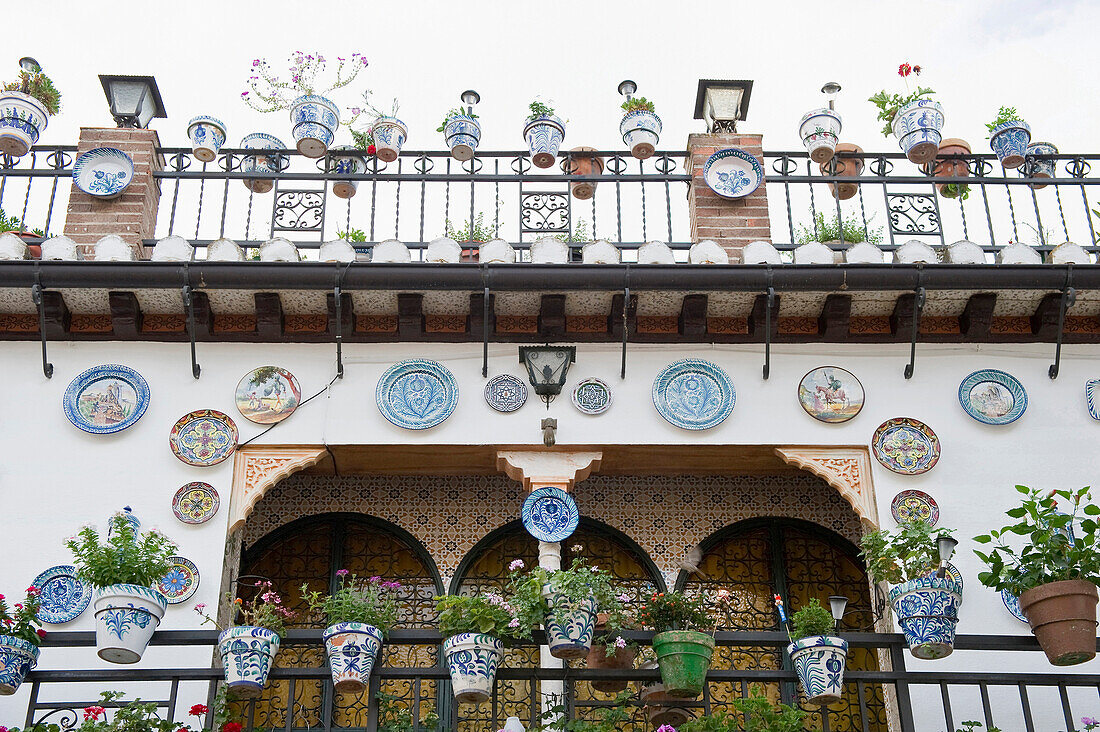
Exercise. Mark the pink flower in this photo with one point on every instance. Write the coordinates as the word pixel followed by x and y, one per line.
pixel 514 623
pixel 244 95
pixel 364 60
pixel 620 642
pixel 32 590
pixel 516 564
pixel 200 607
pixel 375 580
pixel 342 572
pixel 623 598
pixel 666 728
pixel 91 713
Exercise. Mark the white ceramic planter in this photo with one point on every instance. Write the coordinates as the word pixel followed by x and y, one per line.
pixel 641 131
pixel 572 638
pixel 247 654
pixel 544 136
pixel 347 160
pixel 917 126
pixel 462 133
pixel 207 137
pixel 125 618
pixel 22 120
pixel 17 658
pixel 927 609
pixel 472 659
pixel 267 164
pixel 352 649
pixel 389 134
pixel 314 119
pixel 819 662
pixel 820 130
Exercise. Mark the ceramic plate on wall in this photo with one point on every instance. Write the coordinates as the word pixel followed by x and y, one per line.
pixel 195 503
pixel 550 514
pixel 103 172
pixel 992 397
pixel 694 394
pixel 733 173
pixel 64 596
pixel 592 396
pixel 906 446
pixel 106 399
pixel 910 506
pixel 505 393
pixel 1092 397
pixel 1013 604
pixel 204 437
pixel 180 582
pixel 952 573
pixel 831 394
pixel 417 394
pixel 267 395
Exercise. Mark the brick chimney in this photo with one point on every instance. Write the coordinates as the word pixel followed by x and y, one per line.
pixel 732 223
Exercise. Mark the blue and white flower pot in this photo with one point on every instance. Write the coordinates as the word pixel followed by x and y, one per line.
pixel 927 609
pixel 1009 141
pixel 207 137
pixel 352 649
pixel 462 134
pixel 22 120
pixel 917 126
pixel 641 130
pixel 389 134
pixel 473 659
pixel 819 662
pixel 125 618
pixel 268 164
pixel 1036 168
pixel 574 638
pixel 544 136
pixel 17 658
pixel 346 160
pixel 820 130
pixel 314 119
pixel 247 654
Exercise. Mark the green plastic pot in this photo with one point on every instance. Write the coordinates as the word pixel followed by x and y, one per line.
pixel 683 657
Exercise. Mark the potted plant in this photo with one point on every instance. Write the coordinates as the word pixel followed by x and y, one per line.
pixel 544 132
pixel 207 136
pixel 138 716
pixel 926 606
pixel 913 118
pixel 462 133
pixel 123 571
pixel 819 130
pixel 347 160
pixel 608 717
pixel 817 653
pixel 20 635
pixel 474 628
pixel 610 650
pixel 684 642
pixel 1054 573
pixel 385 132
pixel 1037 164
pixel 314 116
pixel 26 106
pixel 846 167
pixel 267 164
pixel 836 230
pixel 640 127
pixel 1008 137
pixel 477 232
pixel 394 716
pixel 585 165
pixel 753 713
pixel 951 168
pixel 360 613
pixel 17 227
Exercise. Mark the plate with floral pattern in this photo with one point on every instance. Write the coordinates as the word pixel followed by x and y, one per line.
pixel 417 394
pixel 910 506
pixel 106 399
pixel 1013 604
pixel 592 396
pixel 906 446
pixel 62 594
pixel 203 438
pixel 180 581
pixel 694 394
pixel 103 172
pixel 733 173
pixel 505 393
pixel 992 397
pixel 195 503
pixel 550 514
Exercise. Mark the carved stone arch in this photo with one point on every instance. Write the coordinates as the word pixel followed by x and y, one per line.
pixel 846 468
pixel 258 467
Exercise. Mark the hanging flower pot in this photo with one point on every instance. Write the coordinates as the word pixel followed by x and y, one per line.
pixel 1009 141
pixel 641 130
pixel 683 657
pixel 17 658
pixel 598 658
pixel 314 119
pixel 125 618
pixel 389 134
pixel 1036 168
pixel 847 167
pixel 661 707
pixel 462 133
pixel 346 160
pixel 819 662
pixel 917 126
pixel 927 609
pixel 207 137
pixel 819 130
pixel 593 166
pixel 940 168
pixel 267 164
pixel 352 649
pixel 544 135
pixel 473 659
pixel 22 120
pixel 1062 616
pixel 247 654
pixel 571 636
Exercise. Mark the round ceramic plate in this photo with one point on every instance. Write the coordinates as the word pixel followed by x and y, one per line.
pixel 592 396
pixel 906 445
pixel 1013 604
pixel 195 503
pixel 831 394
pixel 910 506
pixel 106 399
pixel 417 394
pixel 180 581
pixel 103 172
pixel 733 173
pixel 64 596
pixel 694 394
pixel 550 514
pixel 952 573
pixel 1092 397
pixel 204 437
pixel 267 395
pixel 992 397
pixel 505 393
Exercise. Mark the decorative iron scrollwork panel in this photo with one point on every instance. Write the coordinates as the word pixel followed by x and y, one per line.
pixel 544 213
pixel 913 213
pixel 299 211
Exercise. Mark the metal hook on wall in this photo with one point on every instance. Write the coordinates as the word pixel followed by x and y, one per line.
pixel 1069 297
pixel 189 303
pixel 339 306
pixel 918 307
pixel 768 326
pixel 36 296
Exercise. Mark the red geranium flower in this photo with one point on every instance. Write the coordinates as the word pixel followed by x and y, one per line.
pixel 371 150
pixel 41 633
pixel 904 70
pixel 198 710
pixel 231 727
pixel 91 713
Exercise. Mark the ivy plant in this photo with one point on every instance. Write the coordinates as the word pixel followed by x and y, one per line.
pixel 904 554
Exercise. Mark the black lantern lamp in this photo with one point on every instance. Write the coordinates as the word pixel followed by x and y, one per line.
pixel 470 98
pixel 945 546
pixel 830 90
pixel 837 605
pixel 134 100
pixel 547 367
pixel 627 88
pixel 722 103
pixel 29 65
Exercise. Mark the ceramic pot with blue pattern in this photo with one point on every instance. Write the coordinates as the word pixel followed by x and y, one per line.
pixel 819 662
pixel 927 609
pixel 247 653
pixel 125 618
pixel 267 164
pixel 641 130
pixel 572 637
pixel 917 126
pixel 462 134
pixel 346 160
pixel 389 134
pixel 1034 167
pixel 472 659
pixel 17 658
pixel 207 137
pixel 352 649
pixel 544 135
pixel 820 130
pixel 314 119
pixel 22 120
pixel 1009 141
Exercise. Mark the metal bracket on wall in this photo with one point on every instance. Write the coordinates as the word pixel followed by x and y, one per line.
pixel 1069 297
pixel 626 308
pixel 36 296
pixel 485 322
pixel 339 306
pixel 189 303
pixel 918 307
pixel 768 326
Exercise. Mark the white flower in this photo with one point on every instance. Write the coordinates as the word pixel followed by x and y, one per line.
pixel 516 565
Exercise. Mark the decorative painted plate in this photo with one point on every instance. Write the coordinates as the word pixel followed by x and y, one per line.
pixel 911 506
pixel 952 573
pixel 180 581
pixel 106 399
pixel 694 394
pixel 64 596
pixel 267 395
pixel 204 437
pixel 906 445
pixel 550 514
pixel 992 397
pixel 505 393
pixel 195 503
pixel 1013 604
pixel 831 394
pixel 1092 397
pixel 417 394
pixel 592 396
pixel 103 172
pixel 733 173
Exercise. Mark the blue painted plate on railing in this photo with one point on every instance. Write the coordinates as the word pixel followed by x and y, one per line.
pixel 106 399
pixel 62 594
pixel 417 394
pixel 992 397
pixel 103 172
pixel 733 173
pixel 550 514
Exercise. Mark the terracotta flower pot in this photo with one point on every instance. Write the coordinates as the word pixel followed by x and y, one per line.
pixel 584 190
pixel 847 167
pixel 940 168
pixel 1063 618
pixel 662 708
pixel 598 658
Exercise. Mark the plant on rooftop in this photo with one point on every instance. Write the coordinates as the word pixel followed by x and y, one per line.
pixel 1009 136
pixel 684 642
pixel 462 133
pixel 26 106
pixel 544 132
pixel 912 117
pixel 640 127
pixel 383 134
pixel 637 104
pixel 851 230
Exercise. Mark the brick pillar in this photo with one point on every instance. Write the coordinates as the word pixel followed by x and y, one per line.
pixel 133 215
pixel 731 223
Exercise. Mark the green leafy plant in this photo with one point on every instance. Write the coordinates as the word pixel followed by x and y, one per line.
pixel 265 610
pixel 478 231
pixel 579 233
pixel 456 112
pixel 363 140
pixel 393 716
pixel 538 109
pixel 675 611
pixel 973 726
pixel 352 235
pixel 637 104
pixel 1004 115
pixel 889 104
pixel 905 554
pixel 1057 545
pixel 955 190
pixel 611 717
pixel 812 619
pixel 357 600
pixel 754 713
pixel 12 223
pixel 39 86
pixel 850 230
pixel 489 613
pixel 138 716
pixel 124 558
pixel 21 620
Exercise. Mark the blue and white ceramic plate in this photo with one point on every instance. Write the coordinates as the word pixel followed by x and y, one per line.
pixel 733 173
pixel 106 399
pixel 103 172
pixel 592 396
pixel 952 573
pixel 417 394
pixel 505 393
pixel 1013 604
pixel 180 582
pixel 1092 397
pixel 992 397
pixel 694 394
pixel 550 514
pixel 64 596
